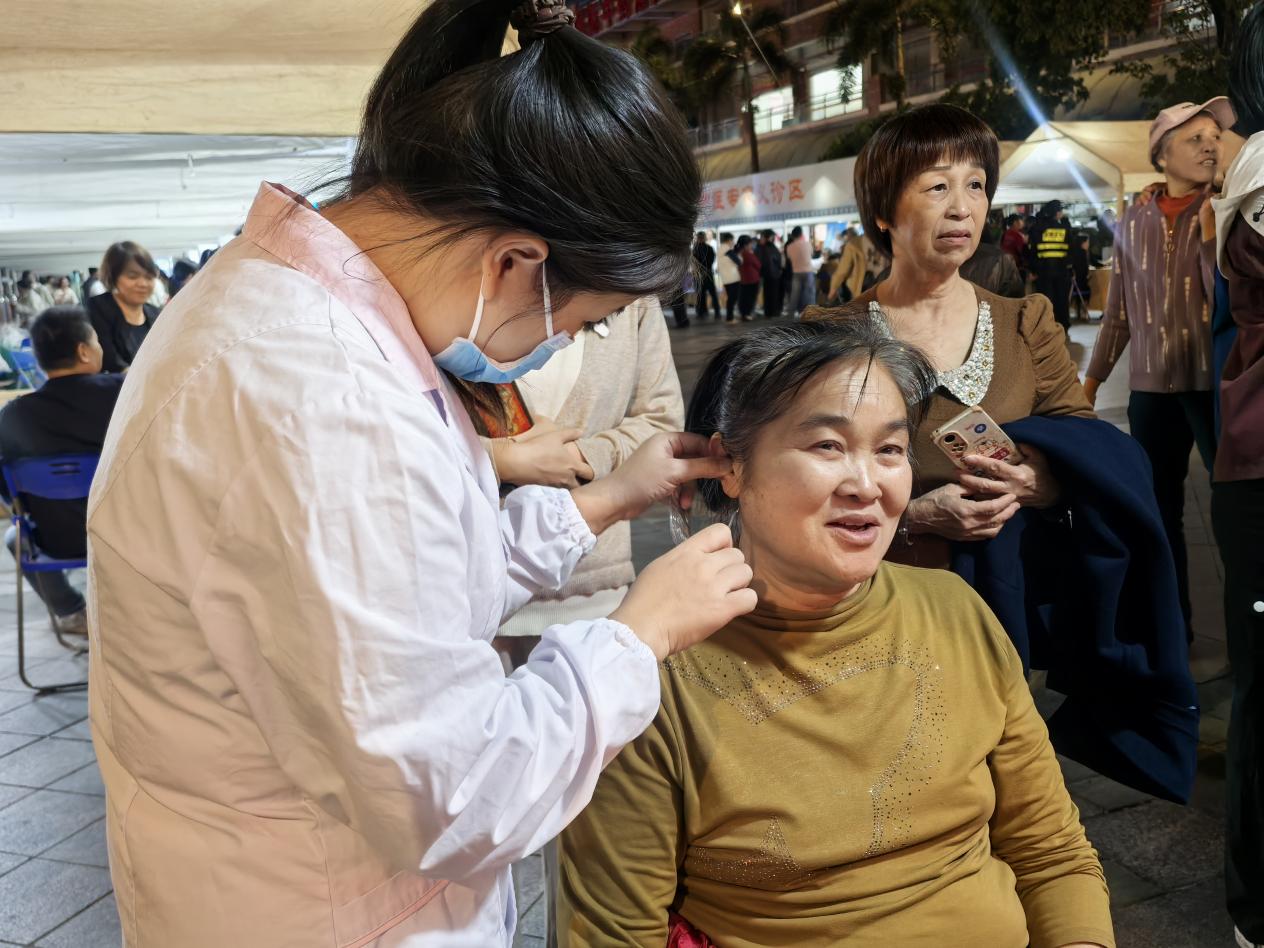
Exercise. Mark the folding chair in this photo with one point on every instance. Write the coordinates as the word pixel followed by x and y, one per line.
pixel 64 477
pixel 22 362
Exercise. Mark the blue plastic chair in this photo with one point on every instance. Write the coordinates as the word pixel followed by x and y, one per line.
pixel 63 477
pixel 22 362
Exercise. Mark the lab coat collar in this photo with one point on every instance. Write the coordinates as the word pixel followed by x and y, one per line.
pixel 287 226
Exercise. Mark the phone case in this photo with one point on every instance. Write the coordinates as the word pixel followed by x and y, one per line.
pixel 973 432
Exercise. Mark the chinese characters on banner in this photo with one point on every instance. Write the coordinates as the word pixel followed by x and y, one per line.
pixel 775 194
pixel 788 193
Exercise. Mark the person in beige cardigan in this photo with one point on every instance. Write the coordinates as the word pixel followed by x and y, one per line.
pixel 594 403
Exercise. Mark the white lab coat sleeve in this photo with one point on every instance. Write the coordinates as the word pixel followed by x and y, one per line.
pixel 544 537
pixel 352 562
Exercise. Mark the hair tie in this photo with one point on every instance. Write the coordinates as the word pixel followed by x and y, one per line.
pixel 535 19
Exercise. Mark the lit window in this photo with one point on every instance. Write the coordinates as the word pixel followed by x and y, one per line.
pixel 827 92
pixel 772 109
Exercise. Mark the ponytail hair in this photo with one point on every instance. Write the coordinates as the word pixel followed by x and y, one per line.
pixel 1246 73
pixel 566 138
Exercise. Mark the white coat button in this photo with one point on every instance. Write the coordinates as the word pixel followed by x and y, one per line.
pixel 1259 606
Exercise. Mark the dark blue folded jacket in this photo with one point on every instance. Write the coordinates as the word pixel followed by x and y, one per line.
pixel 1094 601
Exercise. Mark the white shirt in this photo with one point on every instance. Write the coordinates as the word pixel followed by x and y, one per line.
pixel 727 269
pixel 297 562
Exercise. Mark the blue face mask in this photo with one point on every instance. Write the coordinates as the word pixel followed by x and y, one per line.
pixel 467 361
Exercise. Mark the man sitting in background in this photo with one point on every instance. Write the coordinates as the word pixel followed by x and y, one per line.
pixel 69 415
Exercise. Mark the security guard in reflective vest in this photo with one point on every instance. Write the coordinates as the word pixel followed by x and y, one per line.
pixel 1049 254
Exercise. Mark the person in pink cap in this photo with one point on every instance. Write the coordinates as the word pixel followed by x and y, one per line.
pixel 1160 301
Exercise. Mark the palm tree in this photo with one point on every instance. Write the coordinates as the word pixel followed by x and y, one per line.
pixel 720 64
pixel 863 28
pixel 660 58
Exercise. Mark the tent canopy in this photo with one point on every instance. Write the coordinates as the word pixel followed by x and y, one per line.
pixel 65 198
pixel 1078 161
pixel 234 67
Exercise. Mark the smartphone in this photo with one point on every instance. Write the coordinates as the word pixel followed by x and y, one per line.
pixel 973 432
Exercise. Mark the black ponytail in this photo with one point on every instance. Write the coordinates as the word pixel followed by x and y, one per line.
pixel 566 138
pixel 1246 73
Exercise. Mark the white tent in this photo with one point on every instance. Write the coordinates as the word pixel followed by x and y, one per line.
pixel 155 122
pixel 1099 162
pixel 65 198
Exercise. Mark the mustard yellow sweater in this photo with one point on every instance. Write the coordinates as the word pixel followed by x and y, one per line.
pixel 875 775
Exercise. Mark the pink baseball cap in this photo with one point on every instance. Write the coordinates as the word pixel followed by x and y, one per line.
pixel 1175 116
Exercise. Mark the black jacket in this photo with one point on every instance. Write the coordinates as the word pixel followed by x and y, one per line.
pixel 705 255
pixel 120 340
pixel 1094 601
pixel 769 261
pixel 1049 248
pixel 69 415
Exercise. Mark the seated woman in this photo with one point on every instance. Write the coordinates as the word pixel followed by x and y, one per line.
pixel 858 761
pixel 924 184
pixel 123 317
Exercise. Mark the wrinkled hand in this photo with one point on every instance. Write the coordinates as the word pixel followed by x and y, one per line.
pixel 1149 191
pixel 948 512
pixel 1029 482
pixel 688 593
pixel 550 458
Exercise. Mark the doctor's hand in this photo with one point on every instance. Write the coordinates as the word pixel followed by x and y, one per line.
pixel 549 457
pixel 688 593
pixel 658 469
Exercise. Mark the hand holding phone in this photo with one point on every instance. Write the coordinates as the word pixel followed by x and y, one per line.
pixel 974 433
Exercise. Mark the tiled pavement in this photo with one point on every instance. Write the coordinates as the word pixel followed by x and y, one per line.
pixel 1163 861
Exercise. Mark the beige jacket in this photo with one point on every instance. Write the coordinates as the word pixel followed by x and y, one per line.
pixel 627 391
pixel 850 270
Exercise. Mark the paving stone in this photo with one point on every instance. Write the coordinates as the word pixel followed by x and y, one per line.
pixel 46 760
pixel 9 795
pixel 1193 917
pixel 40 895
pixel 1109 795
pixel 86 847
pixel 86 780
pixel 1170 845
pixel 11 742
pixel 534 921
pixel 528 876
pixel 95 927
pixel 76 732
pixel 1087 808
pixel 15 699
pixel 50 672
pixel 45 818
pixel 1073 771
pixel 46 714
pixel 1126 887
pixel 10 861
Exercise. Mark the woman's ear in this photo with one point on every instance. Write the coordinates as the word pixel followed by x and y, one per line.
pixel 511 263
pixel 730 482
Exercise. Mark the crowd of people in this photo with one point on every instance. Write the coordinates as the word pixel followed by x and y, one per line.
pixel 378 634
pixel 770 273
pixel 1017 254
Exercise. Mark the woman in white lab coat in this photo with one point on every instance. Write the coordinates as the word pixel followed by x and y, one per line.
pixel 297 556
